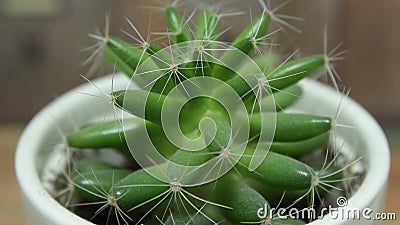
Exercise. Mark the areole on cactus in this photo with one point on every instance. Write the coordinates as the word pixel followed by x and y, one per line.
pixel 205 132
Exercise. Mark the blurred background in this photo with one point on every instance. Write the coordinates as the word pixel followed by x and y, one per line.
pixel 41 43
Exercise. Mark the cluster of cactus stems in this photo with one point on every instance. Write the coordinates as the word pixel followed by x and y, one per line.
pixel 209 141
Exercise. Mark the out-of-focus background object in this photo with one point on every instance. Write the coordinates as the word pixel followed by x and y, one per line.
pixel 37 8
pixel 41 41
pixel 40 59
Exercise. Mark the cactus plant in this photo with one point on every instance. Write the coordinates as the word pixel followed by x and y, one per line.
pixel 205 132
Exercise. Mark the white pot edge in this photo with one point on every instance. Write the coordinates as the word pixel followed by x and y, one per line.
pixel 41 208
pixel 371 193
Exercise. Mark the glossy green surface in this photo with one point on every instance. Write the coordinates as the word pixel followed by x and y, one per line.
pixel 243 200
pixel 293 71
pixel 292 127
pixel 279 171
pixel 94 185
pixel 139 187
pixel 300 148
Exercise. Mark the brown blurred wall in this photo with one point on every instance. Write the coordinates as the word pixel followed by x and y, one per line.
pixel 40 58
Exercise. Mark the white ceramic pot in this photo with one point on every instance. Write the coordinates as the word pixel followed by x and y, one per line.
pixel 34 148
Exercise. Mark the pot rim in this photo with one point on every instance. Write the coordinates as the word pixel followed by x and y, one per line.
pixel 376 159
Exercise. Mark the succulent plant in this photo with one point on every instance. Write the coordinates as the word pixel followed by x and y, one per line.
pixel 205 132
